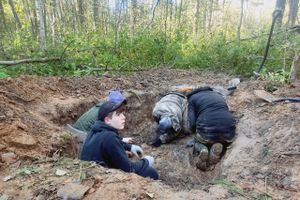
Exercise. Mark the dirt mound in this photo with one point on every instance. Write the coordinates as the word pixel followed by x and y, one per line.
pixel 263 161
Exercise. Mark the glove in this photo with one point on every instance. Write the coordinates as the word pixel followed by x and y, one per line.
pixel 137 150
pixel 128 140
pixel 150 160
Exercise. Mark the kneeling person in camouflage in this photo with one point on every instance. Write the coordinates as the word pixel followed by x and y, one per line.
pixel 170 112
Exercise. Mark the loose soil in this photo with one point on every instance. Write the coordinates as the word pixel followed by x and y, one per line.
pixel 262 163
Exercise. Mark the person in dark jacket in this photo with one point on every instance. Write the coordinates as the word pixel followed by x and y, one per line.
pixel 104 145
pixel 209 116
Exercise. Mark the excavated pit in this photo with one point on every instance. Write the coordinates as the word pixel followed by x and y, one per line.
pixel 263 160
pixel 173 161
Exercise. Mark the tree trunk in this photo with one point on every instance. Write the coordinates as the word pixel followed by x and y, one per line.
pixel 293 4
pixel 41 25
pixel 295 69
pixel 44 14
pixel 81 13
pixel 118 24
pixel 166 19
pixel 133 16
pixel 241 21
pixel 197 17
pixel 74 15
pixel 53 22
pixel 28 17
pixel 12 6
pixel 153 14
pixel 2 17
pixel 280 4
pixel 204 15
pixel 180 12
pixel 211 6
pixel 96 5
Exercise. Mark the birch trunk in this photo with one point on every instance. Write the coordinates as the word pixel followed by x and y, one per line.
pixel 293 5
pixel 41 25
pixel 241 21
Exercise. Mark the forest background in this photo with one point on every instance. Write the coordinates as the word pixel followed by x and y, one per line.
pixel 89 37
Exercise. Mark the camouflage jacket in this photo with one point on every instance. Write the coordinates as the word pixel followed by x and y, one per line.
pixel 173 105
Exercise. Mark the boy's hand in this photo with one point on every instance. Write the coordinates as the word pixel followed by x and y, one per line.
pixel 128 140
pixel 137 150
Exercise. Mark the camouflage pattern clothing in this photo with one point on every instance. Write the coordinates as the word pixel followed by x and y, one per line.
pixel 173 106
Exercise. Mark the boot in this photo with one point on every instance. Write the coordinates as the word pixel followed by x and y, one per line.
pixel 215 153
pixel 201 153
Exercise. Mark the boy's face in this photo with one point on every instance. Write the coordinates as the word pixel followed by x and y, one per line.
pixel 117 120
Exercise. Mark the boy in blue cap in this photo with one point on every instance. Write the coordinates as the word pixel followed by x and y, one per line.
pixel 104 145
pixel 85 122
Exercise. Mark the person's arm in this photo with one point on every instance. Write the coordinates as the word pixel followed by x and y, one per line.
pixel 119 159
pixel 117 155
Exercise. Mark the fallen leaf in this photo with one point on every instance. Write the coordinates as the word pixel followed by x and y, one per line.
pixel 151 195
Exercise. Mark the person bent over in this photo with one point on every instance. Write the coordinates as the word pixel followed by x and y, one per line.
pixel 209 115
pixel 170 112
pixel 104 145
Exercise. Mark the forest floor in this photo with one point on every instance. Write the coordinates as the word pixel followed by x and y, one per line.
pixel 38 160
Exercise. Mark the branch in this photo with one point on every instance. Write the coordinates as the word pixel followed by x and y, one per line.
pixel 153 13
pixel 39 60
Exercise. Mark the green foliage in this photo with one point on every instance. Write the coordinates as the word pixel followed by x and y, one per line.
pixel 218 51
pixel 65 138
pixel 27 171
pixel 3 74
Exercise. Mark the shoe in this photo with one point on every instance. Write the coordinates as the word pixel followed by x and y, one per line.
pixel 156 142
pixel 215 153
pixel 201 153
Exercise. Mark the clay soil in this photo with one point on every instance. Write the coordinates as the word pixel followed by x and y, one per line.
pixel 39 158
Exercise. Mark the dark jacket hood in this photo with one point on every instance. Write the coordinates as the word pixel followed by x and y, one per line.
pixel 101 126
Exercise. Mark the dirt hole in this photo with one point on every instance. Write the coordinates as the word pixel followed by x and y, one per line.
pixel 173 161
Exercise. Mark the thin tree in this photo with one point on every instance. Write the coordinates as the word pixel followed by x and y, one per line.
pixel 133 16
pixel 241 21
pixel 96 4
pixel 197 17
pixel 29 17
pixel 280 4
pixel 12 6
pixel 81 13
pixel 118 14
pixel 153 14
pixel 204 15
pixel 41 26
pixel 166 19
pixel 293 5
pixel 211 6
pixel 53 21
pixel 2 17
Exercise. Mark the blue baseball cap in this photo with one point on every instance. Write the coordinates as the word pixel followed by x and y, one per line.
pixel 116 96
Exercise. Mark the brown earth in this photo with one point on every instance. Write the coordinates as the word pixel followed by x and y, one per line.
pixel 262 163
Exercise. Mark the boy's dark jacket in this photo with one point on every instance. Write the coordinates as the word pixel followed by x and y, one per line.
pixel 104 146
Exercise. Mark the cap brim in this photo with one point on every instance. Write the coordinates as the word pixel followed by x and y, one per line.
pixel 116 106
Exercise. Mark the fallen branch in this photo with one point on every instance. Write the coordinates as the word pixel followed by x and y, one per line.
pixel 40 60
